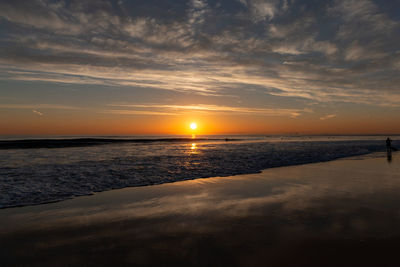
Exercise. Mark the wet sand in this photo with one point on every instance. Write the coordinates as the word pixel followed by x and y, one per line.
pixel 339 213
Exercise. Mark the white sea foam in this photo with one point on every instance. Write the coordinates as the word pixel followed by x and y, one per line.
pixel 34 176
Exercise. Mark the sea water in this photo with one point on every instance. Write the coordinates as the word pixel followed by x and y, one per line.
pixel 30 176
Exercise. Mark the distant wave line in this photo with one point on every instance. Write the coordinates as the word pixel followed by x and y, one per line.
pixel 83 142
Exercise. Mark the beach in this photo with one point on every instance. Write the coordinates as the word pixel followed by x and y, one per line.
pixel 343 212
pixel 199 133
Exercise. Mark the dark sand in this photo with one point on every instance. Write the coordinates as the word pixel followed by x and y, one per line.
pixel 340 213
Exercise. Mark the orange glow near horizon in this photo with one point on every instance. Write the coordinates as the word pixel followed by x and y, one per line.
pixel 78 123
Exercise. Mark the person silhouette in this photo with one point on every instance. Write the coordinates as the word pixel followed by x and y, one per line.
pixel 389 149
pixel 388 144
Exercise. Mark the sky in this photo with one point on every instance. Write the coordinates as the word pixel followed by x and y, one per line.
pixel 232 66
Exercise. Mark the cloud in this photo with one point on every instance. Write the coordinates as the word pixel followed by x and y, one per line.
pixel 37 112
pixel 204 108
pixel 38 106
pixel 264 10
pixel 138 112
pixel 327 51
pixel 357 52
pixel 327 117
pixel 198 9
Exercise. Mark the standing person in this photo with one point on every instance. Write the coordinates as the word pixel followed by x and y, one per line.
pixel 389 149
pixel 388 144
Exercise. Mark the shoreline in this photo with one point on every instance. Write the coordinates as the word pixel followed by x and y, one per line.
pixel 373 154
pixel 346 206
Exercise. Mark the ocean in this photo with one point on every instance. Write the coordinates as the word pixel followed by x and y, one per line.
pixel 36 170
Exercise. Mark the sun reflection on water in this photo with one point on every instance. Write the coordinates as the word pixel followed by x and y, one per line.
pixel 193 149
pixel 194 146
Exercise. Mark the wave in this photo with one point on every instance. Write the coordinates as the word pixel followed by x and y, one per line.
pixel 48 175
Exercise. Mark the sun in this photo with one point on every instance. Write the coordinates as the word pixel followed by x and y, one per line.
pixel 193 126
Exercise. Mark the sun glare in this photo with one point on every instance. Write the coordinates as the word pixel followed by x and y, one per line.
pixel 193 126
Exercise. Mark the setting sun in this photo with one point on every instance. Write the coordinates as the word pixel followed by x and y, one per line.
pixel 193 126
